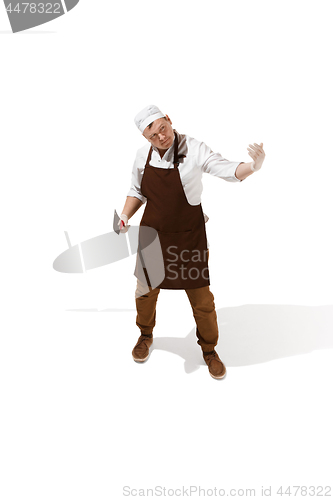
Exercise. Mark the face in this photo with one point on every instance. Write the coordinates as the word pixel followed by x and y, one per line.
pixel 160 134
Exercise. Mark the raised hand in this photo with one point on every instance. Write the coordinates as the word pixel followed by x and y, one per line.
pixel 257 154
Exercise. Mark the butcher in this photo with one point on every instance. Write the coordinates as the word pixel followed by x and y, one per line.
pixel 167 179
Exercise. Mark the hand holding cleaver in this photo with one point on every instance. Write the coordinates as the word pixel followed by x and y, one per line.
pixel 120 225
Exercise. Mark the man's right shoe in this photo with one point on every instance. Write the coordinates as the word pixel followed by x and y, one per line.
pixel 141 350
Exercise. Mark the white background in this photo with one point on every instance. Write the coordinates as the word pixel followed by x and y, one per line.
pixel 80 419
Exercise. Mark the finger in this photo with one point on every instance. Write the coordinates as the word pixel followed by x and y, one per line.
pixel 254 151
pixel 259 147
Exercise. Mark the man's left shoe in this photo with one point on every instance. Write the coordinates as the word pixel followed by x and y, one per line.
pixel 215 366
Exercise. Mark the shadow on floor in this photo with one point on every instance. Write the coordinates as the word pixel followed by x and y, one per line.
pixel 253 334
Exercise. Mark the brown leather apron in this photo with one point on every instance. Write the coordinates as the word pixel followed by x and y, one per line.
pixel 179 225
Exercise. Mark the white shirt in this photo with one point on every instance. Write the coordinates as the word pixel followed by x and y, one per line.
pixel 199 159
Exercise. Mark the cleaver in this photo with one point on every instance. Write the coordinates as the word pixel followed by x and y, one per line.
pixel 116 219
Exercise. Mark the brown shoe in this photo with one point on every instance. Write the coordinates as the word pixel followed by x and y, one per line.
pixel 141 350
pixel 215 366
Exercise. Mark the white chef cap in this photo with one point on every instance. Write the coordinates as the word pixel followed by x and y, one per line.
pixel 147 116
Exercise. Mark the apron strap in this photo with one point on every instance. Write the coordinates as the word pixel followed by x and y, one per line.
pixel 175 152
pixel 176 156
pixel 149 156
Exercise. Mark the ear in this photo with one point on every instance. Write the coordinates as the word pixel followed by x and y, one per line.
pixel 167 117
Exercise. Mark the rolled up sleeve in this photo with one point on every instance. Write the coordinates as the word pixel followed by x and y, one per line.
pixel 137 173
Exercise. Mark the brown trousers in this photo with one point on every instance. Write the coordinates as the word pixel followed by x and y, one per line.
pixel 202 302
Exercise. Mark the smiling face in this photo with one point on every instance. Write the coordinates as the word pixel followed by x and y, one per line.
pixel 160 134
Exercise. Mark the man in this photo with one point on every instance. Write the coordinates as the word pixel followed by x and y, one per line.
pixel 167 175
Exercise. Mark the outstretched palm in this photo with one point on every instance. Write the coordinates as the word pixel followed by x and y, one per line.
pixel 257 154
